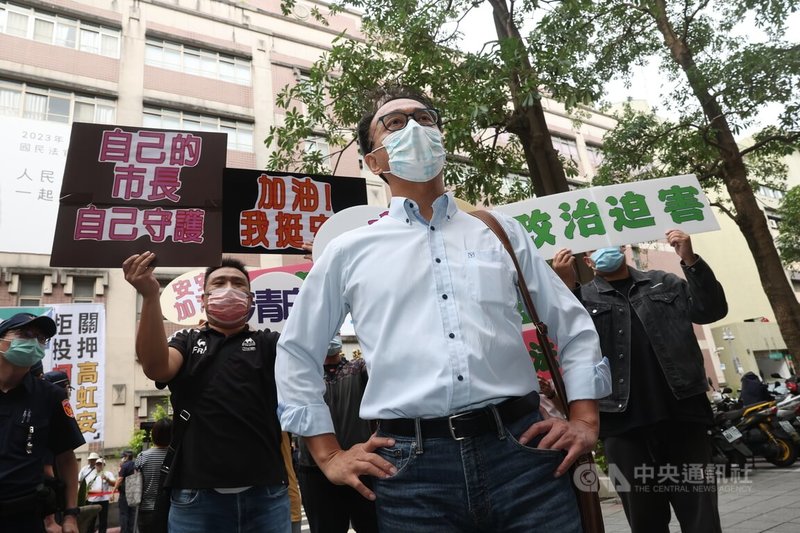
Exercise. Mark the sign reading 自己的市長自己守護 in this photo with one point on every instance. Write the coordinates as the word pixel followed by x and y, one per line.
pixel 128 190
pixel 597 217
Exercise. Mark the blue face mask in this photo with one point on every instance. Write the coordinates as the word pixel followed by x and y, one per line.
pixel 415 153
pixel 335 346
pixel 24 352
pixel 607 259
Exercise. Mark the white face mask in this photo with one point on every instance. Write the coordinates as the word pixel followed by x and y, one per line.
pixel 415 153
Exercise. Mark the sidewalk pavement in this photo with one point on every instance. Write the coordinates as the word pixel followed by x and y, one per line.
pixel 768 500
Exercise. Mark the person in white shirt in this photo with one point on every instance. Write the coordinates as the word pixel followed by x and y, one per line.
pixel 99 488
pixel 86 470
pixel 460 445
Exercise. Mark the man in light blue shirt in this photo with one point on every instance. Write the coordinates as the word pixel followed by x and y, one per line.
pixel 460 444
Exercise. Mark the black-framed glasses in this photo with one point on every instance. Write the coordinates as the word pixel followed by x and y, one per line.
pixel 397 120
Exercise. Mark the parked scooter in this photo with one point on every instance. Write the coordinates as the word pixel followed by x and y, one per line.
pixel 755 424
pixel 727 443
pixel 788 415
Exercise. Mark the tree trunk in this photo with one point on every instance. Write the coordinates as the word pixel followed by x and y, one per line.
pixel 749 217
pixel 528 122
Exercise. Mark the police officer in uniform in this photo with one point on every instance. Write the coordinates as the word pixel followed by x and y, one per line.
pixel 35 416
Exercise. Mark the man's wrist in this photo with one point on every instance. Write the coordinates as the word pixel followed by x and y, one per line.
pixel 691 260
pixel 71 512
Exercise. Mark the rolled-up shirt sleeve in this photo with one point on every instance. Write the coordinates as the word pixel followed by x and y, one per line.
pixel 586 373
pixel 316 316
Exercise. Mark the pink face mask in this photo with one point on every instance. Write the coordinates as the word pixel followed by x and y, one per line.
pixel 227 307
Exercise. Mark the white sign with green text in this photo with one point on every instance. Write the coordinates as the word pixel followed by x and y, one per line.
pixel 597 217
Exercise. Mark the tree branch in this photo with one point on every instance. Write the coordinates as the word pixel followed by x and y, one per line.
pixel 723 209
pixel 785 139
pixel 687 20
pixel 339 154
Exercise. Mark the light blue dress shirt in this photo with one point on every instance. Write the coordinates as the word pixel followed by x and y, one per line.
pixel 434 306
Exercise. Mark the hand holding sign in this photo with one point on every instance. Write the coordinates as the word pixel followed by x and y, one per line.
pixel 139 273
pixel 683 246
pixel 564 266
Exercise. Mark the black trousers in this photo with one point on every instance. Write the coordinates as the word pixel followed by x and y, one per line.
pixel 127 516
pixel 662 464
pixel 332 508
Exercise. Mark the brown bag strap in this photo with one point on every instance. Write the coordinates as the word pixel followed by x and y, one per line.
pixel 541 327
pixel 588 501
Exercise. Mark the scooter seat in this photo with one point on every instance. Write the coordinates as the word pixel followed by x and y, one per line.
pixel 729 415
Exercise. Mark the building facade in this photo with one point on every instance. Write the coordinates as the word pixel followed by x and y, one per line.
pixel 207 65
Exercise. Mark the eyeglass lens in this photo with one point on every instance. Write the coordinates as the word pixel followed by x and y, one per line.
pixel 398 120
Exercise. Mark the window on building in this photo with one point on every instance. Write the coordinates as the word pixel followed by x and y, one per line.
pixel 206 63
pixel 595 155
pixel 83 289
pixel 40 103
pixel 773 221
pixel 30 291
pixel 566 147
pixel 240 134
pixel 58 30
pixel 318 144
pixel 769 192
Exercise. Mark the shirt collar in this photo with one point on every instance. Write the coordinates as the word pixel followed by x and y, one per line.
pixel 636 275
pixel 407 211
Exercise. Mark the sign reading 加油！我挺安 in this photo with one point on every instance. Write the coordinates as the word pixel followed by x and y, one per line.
pixel 596 217
pixel 129 190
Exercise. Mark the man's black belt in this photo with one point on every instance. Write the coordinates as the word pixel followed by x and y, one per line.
pixel 464 425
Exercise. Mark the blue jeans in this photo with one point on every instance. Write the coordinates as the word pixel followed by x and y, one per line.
pixel 256 510
pixel 479 484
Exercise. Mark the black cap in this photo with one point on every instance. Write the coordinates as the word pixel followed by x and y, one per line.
pixel 57 377
pixel 45 323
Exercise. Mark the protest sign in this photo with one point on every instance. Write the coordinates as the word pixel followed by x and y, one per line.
pixel 78 349
pixel 597 217
pixel 275 212
pixel 128 190
pixel 274 290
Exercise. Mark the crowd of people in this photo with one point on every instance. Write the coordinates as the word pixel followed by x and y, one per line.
pixel 442 425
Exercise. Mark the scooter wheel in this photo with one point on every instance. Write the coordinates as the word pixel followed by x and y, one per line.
pixel 786 454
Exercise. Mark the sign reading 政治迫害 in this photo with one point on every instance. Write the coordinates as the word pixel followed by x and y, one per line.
pixel 596 217
pixel 275 212
pixel 129 190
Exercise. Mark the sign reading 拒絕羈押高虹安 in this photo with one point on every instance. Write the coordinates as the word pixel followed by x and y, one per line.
pixel 596 217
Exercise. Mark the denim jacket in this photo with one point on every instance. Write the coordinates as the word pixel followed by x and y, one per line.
pixel 667 306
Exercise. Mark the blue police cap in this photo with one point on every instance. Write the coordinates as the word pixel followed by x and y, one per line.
pixel 44 323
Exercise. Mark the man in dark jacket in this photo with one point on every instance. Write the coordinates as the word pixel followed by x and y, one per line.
pixel 753 390
pixel 333 508
pixel 653 424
